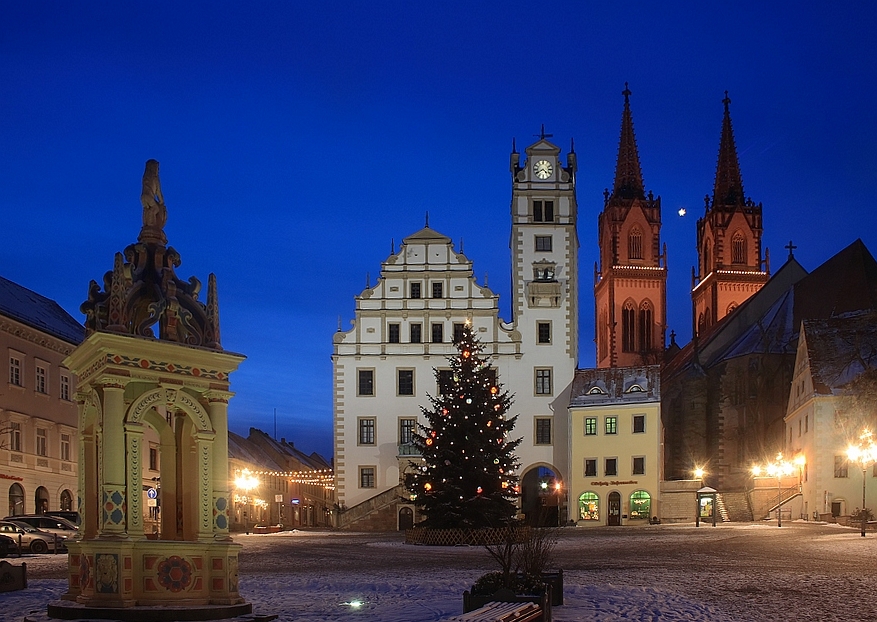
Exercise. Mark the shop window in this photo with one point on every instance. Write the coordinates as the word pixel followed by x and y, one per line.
pixel 640 505
pixel 589 506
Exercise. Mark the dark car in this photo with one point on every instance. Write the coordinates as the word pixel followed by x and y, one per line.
pixel 7 546
pixel 69 515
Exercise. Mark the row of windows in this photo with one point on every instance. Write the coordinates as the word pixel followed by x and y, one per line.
pixel 367 427
pixel 610 466
pixel 41 441
pixel 41 376
pixel 365 382
pixel 416 289
pixel 801 430
pixel 437 335
pixel 41 500
pixel 610 425
pixel 640 506
pixel 841 468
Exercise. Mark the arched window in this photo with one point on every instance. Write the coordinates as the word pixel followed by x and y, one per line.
pixel 589 506
pixel 602 328
pixel 628 327
pixel 707 257
pixel 66 500
pixel 701 324
pixel 640 505
pixel 645 327
pixel 738 248
pixel 635 244
pixel 41 500
pixel 16 499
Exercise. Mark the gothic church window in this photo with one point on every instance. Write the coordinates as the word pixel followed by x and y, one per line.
pixel 645 327
pixel 628 327
pixel 738 249
pixel 635 244
pixel 707 257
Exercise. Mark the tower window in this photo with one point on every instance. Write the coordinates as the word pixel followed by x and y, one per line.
pixel 544 271
pixel 543 382
pixel 635 244
pixel 543 332
pixel 738 249
pixel 707 257
pixel 543 431
pixel 543 211
pixel 645 327
pixel 437 289
pixel 543 243
pixel 366 382
pixel 415 290
pixel 628 326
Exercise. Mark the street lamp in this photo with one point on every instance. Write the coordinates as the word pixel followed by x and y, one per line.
pixel 865 454
pixel 779 468
pixel 246 481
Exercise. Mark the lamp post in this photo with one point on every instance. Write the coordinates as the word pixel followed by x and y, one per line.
pixel 865 454
pixel 779 468
pixel 246 481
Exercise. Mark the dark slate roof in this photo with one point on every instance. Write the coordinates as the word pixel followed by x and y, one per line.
pixel 615 385
pixel 27 307
pixel 840 349
pixel 245 450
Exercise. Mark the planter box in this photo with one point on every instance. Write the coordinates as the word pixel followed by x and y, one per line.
pixel 472 602
pixel 555 581
pixel 266 529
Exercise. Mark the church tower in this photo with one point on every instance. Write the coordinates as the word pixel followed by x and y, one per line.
pixel 545 248
pixel 731 267
pixel 630 283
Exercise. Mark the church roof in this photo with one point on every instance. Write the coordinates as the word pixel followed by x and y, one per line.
pixel 728 188
pixel 628 173
pixel 840 348
pixel 36 311
pixel 769 321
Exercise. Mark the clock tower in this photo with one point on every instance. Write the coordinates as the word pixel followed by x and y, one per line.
pixel 545 246
pixel 729 255
pixel 630 282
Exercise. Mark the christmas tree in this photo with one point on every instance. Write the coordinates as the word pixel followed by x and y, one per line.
pixel 466 478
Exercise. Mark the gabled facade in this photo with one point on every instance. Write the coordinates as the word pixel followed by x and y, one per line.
pixel 630 283
pixel 823 420
pixel 404 328
pixel 731 263
pixel 39 436
pixel 616 470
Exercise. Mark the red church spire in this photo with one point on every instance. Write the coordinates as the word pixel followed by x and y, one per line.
pixel 628 175
pixel 728 189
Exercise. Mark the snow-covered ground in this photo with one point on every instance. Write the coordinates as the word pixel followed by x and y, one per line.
pixel 667 573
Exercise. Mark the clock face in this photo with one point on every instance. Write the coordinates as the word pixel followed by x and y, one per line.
pixel 543 169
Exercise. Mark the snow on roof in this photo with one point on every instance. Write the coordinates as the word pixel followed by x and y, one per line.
pixel 39 312
pixel 839 349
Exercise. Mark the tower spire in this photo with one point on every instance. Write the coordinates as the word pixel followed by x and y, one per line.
pixel 729 183
pixel 628 174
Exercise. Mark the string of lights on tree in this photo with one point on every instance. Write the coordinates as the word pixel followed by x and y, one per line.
pixel 467 474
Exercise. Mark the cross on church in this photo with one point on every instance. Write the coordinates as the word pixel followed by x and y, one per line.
pixel 542 135
pixel 791 248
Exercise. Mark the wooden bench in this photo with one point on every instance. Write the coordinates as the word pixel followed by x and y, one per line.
pixel 502 612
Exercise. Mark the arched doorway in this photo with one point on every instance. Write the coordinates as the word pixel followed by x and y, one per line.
pixel 614 509
pixel 541 497
pixel 16 500
pixel 66 500
pixel 406 519
pixel 41 500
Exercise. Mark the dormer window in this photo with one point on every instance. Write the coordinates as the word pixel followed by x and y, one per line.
pixel 543 211
pixel 596 391
pixel 635 388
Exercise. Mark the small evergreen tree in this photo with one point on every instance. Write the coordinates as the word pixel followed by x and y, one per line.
pixel 467 475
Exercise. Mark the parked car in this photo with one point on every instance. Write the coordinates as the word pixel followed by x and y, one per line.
pixel 51 524
pixel 33 540
pixel 69 515
pixel 7 546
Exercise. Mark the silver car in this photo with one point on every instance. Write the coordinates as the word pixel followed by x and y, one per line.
pixel 31 539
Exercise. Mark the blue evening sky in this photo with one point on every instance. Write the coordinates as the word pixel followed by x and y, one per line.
pixel 297 139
